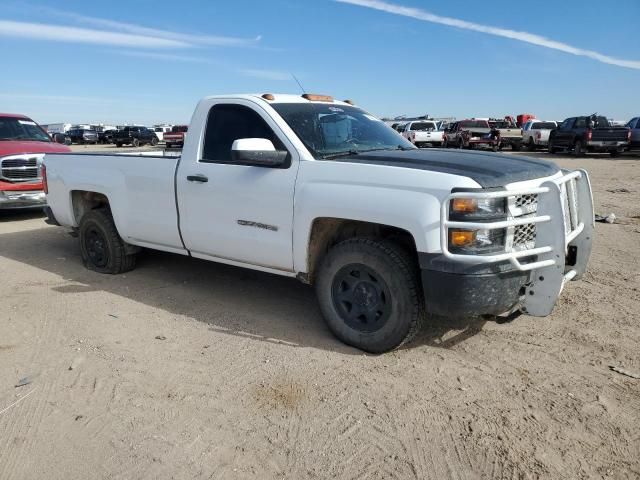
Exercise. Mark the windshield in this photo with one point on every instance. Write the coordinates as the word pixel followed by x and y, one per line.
pixel 12 128
pixel 179 129
pixel 328 130
pixel 423 126
pixel 543 126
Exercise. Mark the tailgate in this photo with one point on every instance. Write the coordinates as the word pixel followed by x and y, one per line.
pixel 609 134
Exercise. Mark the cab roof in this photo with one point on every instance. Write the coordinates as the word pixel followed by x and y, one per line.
pixel 277 98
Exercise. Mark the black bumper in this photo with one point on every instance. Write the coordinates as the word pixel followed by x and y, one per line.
pixel 455 290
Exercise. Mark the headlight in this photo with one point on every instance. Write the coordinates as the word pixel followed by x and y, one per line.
pixel 476 241
pixel 477 209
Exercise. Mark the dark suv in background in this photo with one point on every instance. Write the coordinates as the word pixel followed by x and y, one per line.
pixel 135 136
pixel 591 133
pixel 79 135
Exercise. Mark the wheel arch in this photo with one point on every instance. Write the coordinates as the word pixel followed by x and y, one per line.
pixel 325 232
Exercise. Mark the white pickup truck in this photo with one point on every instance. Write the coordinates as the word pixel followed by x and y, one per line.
pixel 318 189
pixel 423 132
pixel 535 133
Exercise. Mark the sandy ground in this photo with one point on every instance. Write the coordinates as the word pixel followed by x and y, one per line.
pixel 184 369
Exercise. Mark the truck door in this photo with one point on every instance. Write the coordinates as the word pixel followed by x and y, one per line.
pixel 564 134
pixel 230 210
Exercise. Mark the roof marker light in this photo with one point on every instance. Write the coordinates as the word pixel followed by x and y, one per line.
pixel 312 97
pixel 268 96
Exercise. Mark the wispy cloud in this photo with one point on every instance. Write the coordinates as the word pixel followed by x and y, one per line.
pixel 265 74
pixel 526 37
pixel 58 33
pixel 262 74
pixel 191 39
pixel 168 57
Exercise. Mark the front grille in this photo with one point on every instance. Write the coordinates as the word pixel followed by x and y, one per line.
pixel 20 169
pixel 526 200
pixel 524 236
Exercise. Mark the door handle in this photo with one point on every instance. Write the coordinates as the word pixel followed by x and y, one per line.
pixel 197 178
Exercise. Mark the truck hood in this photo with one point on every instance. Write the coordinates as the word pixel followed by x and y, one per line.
pixel 487 169
pixel 17 147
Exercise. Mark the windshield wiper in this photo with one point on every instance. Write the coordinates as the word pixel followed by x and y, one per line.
pixel 348 153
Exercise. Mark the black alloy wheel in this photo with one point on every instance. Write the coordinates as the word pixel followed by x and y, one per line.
pixel 361 298
pixel 96 246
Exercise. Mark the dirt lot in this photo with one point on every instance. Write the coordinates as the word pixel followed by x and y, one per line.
pixel 190 370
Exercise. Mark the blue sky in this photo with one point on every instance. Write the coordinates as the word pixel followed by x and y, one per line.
pixel 149 61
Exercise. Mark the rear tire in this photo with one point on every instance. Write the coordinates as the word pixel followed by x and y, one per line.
pixel 577 149
pixel 118 144
pixel 614 153
pixel 551 148
pixel 135 143
pixel 515 147
pixel 102 249
pixel 531 146
pixel 370 294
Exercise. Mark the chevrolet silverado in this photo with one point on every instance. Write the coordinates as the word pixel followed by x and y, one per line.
pixel 321 190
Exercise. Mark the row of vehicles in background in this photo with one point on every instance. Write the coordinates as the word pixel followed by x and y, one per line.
pixel 134 135
pixel 579 135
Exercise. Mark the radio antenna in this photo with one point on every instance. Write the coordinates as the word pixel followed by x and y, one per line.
pixel 298 82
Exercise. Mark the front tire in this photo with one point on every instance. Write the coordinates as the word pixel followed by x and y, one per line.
pixel 370 294
pixel 102 249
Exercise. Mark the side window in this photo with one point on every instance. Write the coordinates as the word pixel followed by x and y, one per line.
pixel 227 123
pixel 581 122
pixel 567 124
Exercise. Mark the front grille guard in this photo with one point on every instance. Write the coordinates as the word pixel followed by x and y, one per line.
pixel 565 209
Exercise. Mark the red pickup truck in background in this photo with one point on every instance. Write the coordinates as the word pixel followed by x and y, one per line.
pixel 175 137
pixel 23 144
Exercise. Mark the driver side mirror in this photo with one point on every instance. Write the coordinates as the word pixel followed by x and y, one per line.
pixel 258 152
pixel 59 138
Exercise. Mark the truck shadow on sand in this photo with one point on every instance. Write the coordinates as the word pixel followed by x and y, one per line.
pixel 231 300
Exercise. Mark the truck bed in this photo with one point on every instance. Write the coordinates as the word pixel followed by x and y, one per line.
pixel 140 189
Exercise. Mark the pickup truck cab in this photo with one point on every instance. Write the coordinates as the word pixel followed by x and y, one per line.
pixel 175 138
pixel 589 134
pixel 535 133
pixel 470 134
pixel 507 133
pixel 135 136
pixel 23 144
pixel 422 132
pixel 320 190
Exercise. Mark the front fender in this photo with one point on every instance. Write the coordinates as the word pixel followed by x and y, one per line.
pixel 410 210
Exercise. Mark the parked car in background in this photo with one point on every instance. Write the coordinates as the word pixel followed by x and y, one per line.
pixel 285 184
pixel 535 133
pixel 135 136
pixel 22 146
pixel 160 130
pixel 422 132
pixel 591 133
pixel 634 126
pixel 509 135
pixel 106 136
pixel 470 134
pixel 82 136
pixel 175 138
